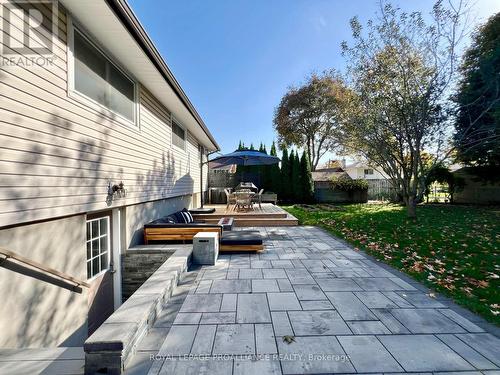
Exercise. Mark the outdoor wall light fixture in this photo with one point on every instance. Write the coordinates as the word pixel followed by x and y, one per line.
pixel 115 191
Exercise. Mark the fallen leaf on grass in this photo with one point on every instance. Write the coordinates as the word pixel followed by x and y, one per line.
pixel 477 283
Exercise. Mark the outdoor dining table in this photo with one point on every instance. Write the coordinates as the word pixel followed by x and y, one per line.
pixel 246 186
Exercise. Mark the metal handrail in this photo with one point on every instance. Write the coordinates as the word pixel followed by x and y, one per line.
pixel 7 254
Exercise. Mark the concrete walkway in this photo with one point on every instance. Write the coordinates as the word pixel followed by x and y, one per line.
pixel 311 304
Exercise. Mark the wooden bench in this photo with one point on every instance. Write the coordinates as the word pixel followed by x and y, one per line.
pixel 177 232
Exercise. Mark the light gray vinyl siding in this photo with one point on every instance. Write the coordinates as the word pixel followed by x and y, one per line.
pixel 57 153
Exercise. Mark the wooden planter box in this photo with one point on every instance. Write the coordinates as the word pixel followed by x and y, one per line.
pixel 270 197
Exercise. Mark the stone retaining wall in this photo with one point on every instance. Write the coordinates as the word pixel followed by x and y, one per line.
pixel 139 263
pixel 112 345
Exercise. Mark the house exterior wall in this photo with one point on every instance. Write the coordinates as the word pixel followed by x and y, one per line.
pixel 58 153
pixel 57 156
pixel 36 313
pixel 358 173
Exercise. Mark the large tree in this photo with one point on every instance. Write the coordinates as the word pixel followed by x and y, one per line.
pixel 401 69
pixel 477 126
pixel 308 116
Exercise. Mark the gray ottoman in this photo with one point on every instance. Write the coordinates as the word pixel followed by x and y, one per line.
pixel 206 248
pixel 241 240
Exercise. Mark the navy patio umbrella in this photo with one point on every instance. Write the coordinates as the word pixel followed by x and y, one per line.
pixel 243 157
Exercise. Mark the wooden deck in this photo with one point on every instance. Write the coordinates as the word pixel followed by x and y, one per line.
pixel 268 215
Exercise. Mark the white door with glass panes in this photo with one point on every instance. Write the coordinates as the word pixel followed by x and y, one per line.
pixel 99 268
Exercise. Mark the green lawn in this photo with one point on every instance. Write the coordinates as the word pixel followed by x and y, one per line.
pixel 453 249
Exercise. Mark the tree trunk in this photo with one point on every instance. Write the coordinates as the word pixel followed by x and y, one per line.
pixel 411 206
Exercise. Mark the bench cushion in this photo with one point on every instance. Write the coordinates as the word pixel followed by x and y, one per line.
pixel 164 220
pixel 243 237
pixel 202 210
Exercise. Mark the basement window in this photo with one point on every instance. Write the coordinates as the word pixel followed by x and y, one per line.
pixel 98 245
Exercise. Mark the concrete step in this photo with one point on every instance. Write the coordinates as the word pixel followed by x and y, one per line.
pixel 260 222
pixel 54 361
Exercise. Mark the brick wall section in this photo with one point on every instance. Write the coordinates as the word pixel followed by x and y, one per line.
pixel 138 264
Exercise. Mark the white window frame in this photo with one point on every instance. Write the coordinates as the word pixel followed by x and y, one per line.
pixel 178 123
pixel 84 99
pixel 369 174
pixel 108 235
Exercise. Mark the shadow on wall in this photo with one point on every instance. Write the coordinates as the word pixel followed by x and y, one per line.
pixel 170 185
pixel 37 313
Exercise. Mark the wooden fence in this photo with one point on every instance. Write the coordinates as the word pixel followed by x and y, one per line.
pixel 380 190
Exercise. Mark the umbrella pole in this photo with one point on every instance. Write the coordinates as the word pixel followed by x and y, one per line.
pixel 202 196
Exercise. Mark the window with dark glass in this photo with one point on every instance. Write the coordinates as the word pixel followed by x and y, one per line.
pixel 97 78
pixel 178 135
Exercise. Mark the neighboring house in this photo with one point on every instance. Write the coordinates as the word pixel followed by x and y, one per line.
pixel 359 169
pixel 323 176
pixel 379 185
pixel 108 110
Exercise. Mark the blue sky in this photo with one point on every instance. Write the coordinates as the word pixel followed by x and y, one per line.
pixel 236 58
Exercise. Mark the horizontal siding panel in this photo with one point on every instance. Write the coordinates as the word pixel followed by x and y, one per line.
pixel 37 194
pixel 15 29
pixel 24 79
pixel 15 181
pixel 16 32
pixel 46 10
pixel 156 176
pixel 54 111
pixel 26 214
pixel 54 70
pixel 36 203
pixel 55 130
pixel 19 138
pixel 27 159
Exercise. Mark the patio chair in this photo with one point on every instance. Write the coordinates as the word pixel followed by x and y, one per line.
pixel 230 197
pixel 243 200
pixel 258 198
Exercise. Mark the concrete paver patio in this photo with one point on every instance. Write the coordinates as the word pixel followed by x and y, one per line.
pixel 343 311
